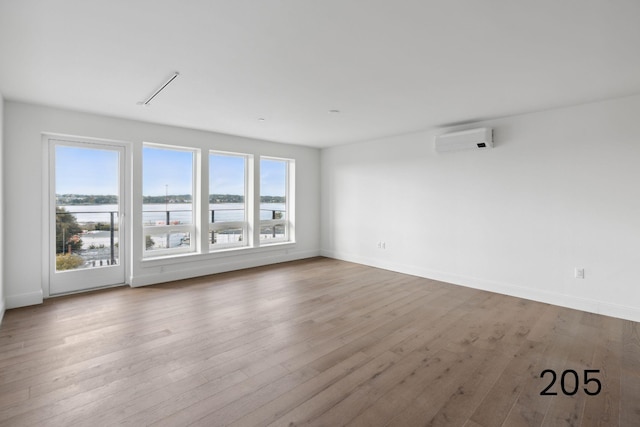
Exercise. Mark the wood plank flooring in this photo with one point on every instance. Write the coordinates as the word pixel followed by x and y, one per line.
pixel 313 342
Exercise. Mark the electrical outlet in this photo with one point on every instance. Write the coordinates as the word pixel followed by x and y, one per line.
pixel 384 245
pixel 379 245
pixel 579 273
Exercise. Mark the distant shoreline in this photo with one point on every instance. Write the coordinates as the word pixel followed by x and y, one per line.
pixel 110 199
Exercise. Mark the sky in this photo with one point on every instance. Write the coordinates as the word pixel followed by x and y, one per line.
pixel 226 174
pixel 166 171
pixel 86 171
pixel 273 176
pixel 94 171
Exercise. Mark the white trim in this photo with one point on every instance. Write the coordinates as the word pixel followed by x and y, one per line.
pixel 554 298
pixel 163 146
pixel 199 205
pixel 254 222
pixel 49 140
pixel 23 300
pixel 2 304
pixel 46 228
pixel 291 200
pixel 249 200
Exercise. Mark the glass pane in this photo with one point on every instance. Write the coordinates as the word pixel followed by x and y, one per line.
pixel 226 188
pixel 272 232
pixel 172 214
pixel 273 189
pixel 167 188
pixel 170 240
pixel 87 205
pixel 229 236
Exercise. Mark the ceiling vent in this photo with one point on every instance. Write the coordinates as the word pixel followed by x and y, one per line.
pixel 478 139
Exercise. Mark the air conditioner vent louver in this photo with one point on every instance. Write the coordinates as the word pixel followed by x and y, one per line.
pixel 478 139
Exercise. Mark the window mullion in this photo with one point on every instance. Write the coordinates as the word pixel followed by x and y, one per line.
pixel 255 207
pixel 202 192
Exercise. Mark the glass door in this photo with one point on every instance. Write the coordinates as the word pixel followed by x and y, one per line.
pixel 85 216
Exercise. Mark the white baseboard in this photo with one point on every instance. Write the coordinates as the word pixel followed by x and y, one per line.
pixel 2 309
pixel 569 301
pixel 23 300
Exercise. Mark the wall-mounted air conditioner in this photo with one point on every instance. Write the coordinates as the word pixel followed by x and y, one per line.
pixel 478 139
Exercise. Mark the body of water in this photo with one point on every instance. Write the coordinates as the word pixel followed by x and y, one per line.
pixel 179 213
pixel 96 244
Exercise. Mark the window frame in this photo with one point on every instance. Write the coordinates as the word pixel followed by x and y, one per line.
pixel 201 227
pixel 230 225
pixel 287 222
pixel 168 229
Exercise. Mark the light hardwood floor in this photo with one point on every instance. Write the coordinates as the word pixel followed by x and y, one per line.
pixel 318 341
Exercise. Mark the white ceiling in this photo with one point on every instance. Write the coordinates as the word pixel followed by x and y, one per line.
pixel 389 66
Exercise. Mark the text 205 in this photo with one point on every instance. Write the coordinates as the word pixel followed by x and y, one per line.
pixel 570 382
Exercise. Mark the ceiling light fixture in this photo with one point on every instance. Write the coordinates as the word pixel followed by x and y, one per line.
pixel 334 111
pixel 261 119
pixel 148 100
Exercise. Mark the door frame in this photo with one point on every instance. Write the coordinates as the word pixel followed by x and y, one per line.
pixel 48 185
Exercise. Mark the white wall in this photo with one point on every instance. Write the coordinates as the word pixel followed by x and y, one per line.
pixel 23 158
pixel 560 190
pixel 2 296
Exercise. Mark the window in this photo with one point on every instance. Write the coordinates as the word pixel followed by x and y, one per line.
pixel 228 226
pixel 168 200
pixel 275 213
pixel 199 203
